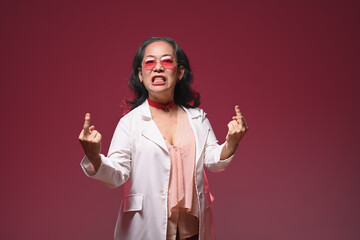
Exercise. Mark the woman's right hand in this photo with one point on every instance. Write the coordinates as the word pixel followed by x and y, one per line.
pixel 90 140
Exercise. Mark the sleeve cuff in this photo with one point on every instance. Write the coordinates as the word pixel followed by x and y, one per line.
pixel 227 160
pixel 220 165
pixel 88 168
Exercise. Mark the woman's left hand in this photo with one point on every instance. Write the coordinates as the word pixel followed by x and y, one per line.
pixel 236 130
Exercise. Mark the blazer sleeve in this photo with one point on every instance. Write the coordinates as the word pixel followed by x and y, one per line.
pixel 115 168
pixel 213 150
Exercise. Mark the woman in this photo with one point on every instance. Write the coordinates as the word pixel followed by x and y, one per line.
pixel 159 149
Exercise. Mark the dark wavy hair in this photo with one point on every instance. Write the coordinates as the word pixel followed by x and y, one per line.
pixel 184 95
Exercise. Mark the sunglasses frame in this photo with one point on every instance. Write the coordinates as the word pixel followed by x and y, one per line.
pixel 161 61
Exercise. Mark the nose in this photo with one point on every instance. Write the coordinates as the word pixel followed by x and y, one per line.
pixel 158 67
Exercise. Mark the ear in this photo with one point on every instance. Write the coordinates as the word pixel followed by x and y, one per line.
pixel 140 75
pixel 181 72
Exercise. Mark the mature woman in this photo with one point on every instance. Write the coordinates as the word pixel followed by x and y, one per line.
pixel 159 149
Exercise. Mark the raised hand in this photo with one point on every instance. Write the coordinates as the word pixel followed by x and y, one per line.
pixel 236 130
pixel 90 140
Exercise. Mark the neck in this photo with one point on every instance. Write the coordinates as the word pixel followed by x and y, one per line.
pixel 161 98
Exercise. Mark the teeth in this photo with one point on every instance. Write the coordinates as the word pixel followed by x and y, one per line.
pixel 158 79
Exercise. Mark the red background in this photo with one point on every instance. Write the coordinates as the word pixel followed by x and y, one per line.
pixel 292 66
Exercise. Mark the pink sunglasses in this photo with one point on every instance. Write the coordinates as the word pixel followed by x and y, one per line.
pixel 168 62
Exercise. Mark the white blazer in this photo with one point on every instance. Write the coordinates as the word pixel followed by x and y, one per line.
pixel 139 158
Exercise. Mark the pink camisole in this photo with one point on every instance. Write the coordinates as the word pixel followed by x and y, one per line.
pixel 183 209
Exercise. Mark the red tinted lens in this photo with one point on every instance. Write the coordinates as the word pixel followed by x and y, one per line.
pixel 149 63
pixel 167 62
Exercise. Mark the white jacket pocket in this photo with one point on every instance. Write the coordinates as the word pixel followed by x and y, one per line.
pixel 133 202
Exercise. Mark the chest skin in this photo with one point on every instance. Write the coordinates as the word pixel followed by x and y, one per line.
pixel 167 123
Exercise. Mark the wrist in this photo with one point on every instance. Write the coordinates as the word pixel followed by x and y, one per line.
pixel 95 161
pixel 227 151
pixel 230 146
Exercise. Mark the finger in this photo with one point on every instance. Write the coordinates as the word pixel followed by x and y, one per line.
pixel 81 135
pixel 238 119
pixel 230 127
pixel 241 120
pixel 237 110
pixel 97 138
pixel 91 128
pixel 233 125
pixel 92 136
pixel 239 127
pixel 86 124
pixel 245 123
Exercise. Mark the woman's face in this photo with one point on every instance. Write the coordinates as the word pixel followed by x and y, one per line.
pixel 160 72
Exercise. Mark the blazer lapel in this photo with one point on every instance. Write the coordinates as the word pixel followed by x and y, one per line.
pixel 151 131
pixel 200 132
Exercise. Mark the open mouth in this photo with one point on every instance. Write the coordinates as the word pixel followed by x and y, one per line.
pixel 158 80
